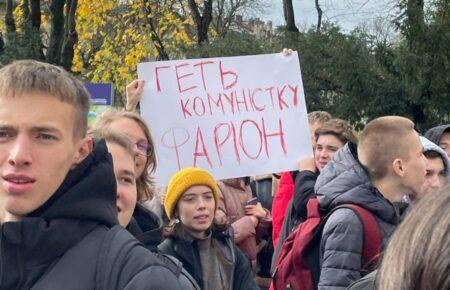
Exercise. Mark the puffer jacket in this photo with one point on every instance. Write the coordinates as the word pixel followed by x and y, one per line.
pixel 343 180
pixel 234 194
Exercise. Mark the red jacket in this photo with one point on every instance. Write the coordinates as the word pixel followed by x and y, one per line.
pixel 280 203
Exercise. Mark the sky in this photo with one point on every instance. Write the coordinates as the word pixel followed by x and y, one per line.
pixel 346 13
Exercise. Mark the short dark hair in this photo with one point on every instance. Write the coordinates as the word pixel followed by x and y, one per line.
pixel 430 154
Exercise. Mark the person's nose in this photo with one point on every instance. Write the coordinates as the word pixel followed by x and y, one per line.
pixel 201 203
pixel 20 153
pixel 435 182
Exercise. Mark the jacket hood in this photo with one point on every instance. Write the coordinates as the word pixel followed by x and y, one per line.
pixel 344 180
pixel 146 227
pixel 434 134
pixel 430 146
pixel 85 199
pixel 87 193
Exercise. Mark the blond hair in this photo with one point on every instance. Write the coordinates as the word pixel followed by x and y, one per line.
pixel 381 142
pixel 144 183
pixel 417 256
pixel 30 76
pixel 117 138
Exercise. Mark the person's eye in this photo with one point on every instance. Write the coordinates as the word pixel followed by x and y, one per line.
pixel 5 135
pixel 46 137
pixel 144 147
pixel 442 173
pixel 209 196
pixel 127 180
pixel 429 173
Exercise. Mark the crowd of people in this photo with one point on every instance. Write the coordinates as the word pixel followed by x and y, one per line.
pixel 80 210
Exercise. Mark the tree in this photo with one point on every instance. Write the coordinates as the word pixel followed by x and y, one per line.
pixel 201 20
pixel 289 16
pixel 319 15
pixel 26 38
pixel 70 35
pixel 228 14
pixel 113 39
pixel 9 18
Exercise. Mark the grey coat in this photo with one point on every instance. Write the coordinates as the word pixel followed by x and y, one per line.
pixel 343 180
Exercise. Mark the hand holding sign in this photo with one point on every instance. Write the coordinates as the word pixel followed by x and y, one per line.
pixel 133 93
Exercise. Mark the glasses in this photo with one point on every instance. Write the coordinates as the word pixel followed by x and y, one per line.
pixel 144 148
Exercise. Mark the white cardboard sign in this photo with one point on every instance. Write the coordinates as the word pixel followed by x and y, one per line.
pixel 233 116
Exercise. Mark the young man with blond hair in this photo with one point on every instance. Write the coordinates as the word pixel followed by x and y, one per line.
pixel 61 229
pixel 387 164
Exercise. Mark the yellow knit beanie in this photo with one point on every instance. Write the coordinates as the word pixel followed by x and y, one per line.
pixel 182 181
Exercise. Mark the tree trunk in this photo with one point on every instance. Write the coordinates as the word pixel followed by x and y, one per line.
pixel 9 18
pixel 416 22
pixel 319 16
pixel 289 16
pixel 202 22
pixel 35 14
pixel 35 22
pixel 70 35
pixel 57 31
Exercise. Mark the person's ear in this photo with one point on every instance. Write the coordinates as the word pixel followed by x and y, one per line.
pixel 83 148
pixel 398 168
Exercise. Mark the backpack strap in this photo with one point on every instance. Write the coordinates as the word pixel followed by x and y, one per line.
pixel 176 267
pixel 371 231
pixel 100 282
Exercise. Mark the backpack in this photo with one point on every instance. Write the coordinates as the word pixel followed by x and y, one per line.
pixel 298 267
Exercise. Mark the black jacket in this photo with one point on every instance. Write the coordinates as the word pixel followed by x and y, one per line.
pixel 146 227
pixel 186 250
pixel 73 241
